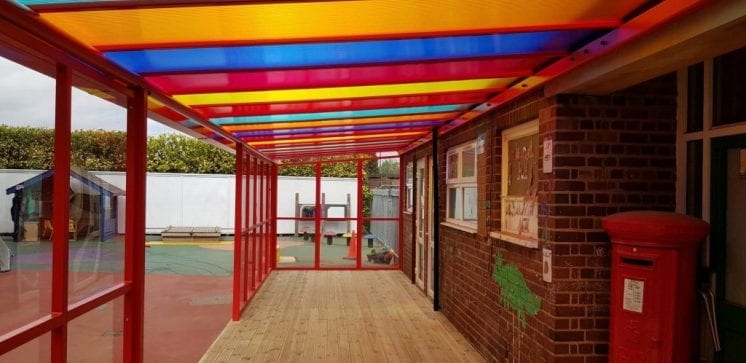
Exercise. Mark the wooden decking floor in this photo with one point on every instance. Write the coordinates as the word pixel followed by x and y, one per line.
pixel 340 316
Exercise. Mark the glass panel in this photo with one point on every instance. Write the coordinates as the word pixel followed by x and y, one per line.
pixel 729 88
pixel 296 199
pixel 695 97
pixel 420 196
pixel 381 188
pixel 339 208
pixel 96 336
pixel 694 178
pixel 97 184
pixel 470 204
pixel 469 163
pixel 187 299
pixel 37 350
pixel 735 269
pixel 381 245
pixel 454 203
pixel 523 165
pixel 410 186
pixel 420 261
pixel 520 205
pixel 27 147
pixel 452 163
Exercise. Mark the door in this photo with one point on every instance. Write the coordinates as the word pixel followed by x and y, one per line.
pixel 420 218
pixel 429 229
pixel 728 244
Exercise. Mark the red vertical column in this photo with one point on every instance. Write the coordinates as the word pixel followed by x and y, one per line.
pixel 238 234
pixel 134 254
pixel 259 220
pixel 260 205
pixel 265 219
pixel 248 259
pixel 403 195
pixel 360 215
pixel 254 248
pixel 273 214
pixel 61 190
pixel 317 220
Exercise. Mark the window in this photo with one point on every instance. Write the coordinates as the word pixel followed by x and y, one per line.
pixel 461 171
pixel 520 173
pixel 409 187
pixel 729 85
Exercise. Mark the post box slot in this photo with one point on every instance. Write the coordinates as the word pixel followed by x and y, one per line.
pixel 637 262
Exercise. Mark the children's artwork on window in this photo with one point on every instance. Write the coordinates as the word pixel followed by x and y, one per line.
pixel 520 203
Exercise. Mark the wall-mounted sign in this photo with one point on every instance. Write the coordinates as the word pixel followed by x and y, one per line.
pixel 634 295
pixel 480 143
pixel 546 160
pixel 546 265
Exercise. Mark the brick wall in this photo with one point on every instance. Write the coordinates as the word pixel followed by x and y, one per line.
pixel 611 153
pixel 469 297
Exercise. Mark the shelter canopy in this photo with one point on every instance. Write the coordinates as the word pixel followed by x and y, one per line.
pixel 308 78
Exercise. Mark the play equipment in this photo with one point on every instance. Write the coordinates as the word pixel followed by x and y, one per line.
pixel 328 210
pixel 352 250
pixel 329 236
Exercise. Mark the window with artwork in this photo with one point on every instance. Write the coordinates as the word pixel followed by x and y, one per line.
pixel 461 172
pixel 520 173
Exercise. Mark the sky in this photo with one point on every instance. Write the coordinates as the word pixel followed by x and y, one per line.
pixel 27 99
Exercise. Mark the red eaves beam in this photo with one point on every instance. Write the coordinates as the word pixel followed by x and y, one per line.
pixel 657 16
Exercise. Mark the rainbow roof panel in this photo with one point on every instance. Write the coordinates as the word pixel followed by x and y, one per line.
pixel 309 78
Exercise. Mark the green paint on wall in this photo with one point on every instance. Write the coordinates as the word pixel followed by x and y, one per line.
pixel 514 293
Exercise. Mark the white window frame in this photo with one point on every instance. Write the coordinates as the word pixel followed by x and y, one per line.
pixel 507 232
pixel 461 183
pixel 409 187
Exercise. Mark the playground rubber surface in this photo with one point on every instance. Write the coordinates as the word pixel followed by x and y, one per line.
pixel 187 299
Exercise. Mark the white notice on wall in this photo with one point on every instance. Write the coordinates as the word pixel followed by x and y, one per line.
pixel 634 291
pixel 480 143
pixel 547 262
pixel 546 161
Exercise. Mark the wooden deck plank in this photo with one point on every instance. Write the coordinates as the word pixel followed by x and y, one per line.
pixel 340 316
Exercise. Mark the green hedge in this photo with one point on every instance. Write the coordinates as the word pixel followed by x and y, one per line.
pixel 33 148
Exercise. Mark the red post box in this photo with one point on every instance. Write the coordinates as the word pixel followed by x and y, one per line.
pixel 653 286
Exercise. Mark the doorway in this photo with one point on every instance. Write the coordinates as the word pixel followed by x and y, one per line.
pixel 423 226
pixel 728 244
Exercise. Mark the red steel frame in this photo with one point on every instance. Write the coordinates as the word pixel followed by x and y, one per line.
pixel 252 240
pixel 61 186
pixel 133 286
pixel 317 217
pixel 239 231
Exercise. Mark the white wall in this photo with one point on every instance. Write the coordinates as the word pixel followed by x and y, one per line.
pixel 198 200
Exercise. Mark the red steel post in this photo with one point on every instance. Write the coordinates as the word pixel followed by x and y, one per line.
pixel 237 233
pixel 317 219
pixel 134 256
pixel 61 191
pixel 360 216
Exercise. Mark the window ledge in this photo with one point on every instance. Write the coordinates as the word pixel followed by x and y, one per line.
pixel 408 212
pixel 516 239
pixel 459 227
